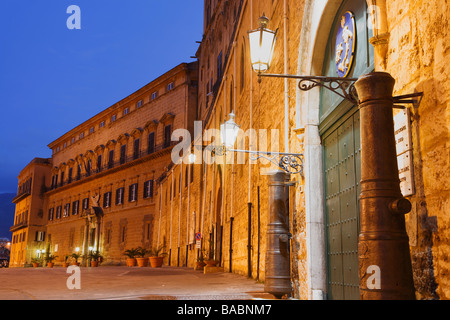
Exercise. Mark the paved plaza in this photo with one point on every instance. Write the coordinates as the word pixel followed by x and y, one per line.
pixel 126 283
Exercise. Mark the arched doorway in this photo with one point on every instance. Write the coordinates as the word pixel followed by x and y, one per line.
pixel 339 129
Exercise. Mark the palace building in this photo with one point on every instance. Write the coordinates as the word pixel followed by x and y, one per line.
pixel 97 192
pixel 357 90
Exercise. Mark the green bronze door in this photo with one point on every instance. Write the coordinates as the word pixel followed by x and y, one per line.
pixel 340 132
pixel 342 176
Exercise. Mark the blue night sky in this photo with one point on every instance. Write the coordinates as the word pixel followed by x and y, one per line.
pixel 53 78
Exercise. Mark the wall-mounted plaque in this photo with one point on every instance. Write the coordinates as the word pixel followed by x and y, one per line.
pixel 402 128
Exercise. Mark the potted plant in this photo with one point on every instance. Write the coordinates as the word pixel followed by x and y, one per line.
pixel 131 254
pixel 200 260
pixel 66 261
pixel 141 259
pixel 75 256
pixel 49 259
pixel 36 262
pixel 157 257
pixel 211 262
pixel 95 258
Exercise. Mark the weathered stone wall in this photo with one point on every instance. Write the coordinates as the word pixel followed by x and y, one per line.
pixel 418 58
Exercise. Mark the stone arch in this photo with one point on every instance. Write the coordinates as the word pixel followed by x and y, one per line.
pixel 318 20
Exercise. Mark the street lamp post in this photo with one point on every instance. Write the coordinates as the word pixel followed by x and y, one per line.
pixel 278 280
pixel 384 257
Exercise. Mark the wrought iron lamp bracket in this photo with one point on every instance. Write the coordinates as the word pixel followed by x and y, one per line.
pixel 343 87
pixel 291 163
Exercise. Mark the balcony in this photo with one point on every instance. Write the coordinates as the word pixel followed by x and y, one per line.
pixel 122 162
pixel 18 226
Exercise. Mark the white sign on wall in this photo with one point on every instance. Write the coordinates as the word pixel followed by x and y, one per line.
pixel 402 129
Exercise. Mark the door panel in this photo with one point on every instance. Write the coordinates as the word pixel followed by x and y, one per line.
pixel 341 157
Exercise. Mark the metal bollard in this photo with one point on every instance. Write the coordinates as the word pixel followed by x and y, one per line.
pixel 278 279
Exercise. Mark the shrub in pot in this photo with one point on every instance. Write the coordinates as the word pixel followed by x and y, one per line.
pixel 157 257
pixel 66 262
pixel 141 259
pixel 36 262
pixel 95 258
pixel 49 259
pixel 75 256
pixel 131 254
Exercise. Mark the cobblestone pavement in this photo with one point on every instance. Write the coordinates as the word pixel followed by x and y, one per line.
pixel 126 283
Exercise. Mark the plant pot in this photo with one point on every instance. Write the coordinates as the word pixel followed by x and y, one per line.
pixel 142 262
pixel 131 262
pixel 35 265
pixel 50 264
pixel 211 263
pixel 156 262
pixel 75 263
pixel 94 264
pixel 65 264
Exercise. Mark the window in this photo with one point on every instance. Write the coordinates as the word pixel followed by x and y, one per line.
pixel 125 111
pixel 132 195
pixel 136 150
pixel 51 213
pixel 107 200
pixel 102 124
pixel 58 212
pixel 123 154
pixel 79 172
pixel 119 196
pixel 123 234
pixel 91 130
pixel 73 140
pixel 62 178
pixel 99 163
pixel 69 178
pixel 154 95
pixel 148 189
pixel 139 104
pixel 75 206
pixel 167 135
pixel 113 118
pixel 82 135
pixel 66 210
pixel 85 204
pixel 111 159
pixel 88 167
pixel 219 65
pixel 65 145
pixel 40 236
pixel 170 86
pixel 151 143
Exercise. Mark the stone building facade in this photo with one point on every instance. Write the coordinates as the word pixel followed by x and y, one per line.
pixel 99 192
pixel 217 205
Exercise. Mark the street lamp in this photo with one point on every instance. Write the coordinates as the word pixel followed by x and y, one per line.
pixel 262 43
